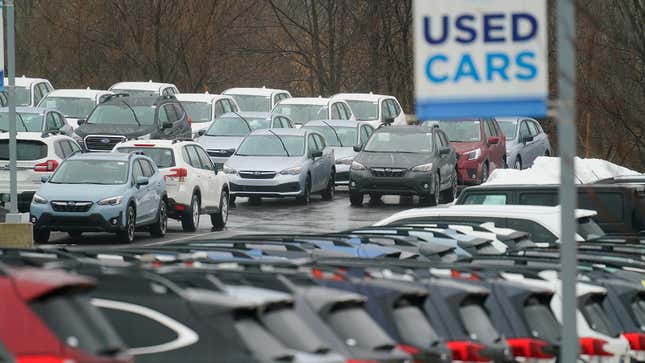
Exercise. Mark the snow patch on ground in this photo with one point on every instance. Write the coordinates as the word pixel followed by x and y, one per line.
pixel 546 170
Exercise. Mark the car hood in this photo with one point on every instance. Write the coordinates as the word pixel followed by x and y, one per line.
pixel 263 163
pixel 395 160
pixel 128 131
pixel 80 192
pixel 465 146
pixel 343 152
pixel 220 142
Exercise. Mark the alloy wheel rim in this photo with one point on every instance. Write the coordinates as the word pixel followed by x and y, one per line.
pixel 195 208
pixel 224 207
pixel 130 223
pixel 163 217
pixel 436 191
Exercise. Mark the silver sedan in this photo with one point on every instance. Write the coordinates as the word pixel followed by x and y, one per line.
pixel 525 141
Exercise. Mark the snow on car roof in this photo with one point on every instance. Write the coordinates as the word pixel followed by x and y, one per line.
pixel 25 81
pixel 359 96
pixel 144 86
pixel 78 93
pixel 252 91
pixel 200 97
pixel 305 101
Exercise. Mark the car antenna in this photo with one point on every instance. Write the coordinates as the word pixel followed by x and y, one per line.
pixel 282 142
pixel 245 120
pixel 335 133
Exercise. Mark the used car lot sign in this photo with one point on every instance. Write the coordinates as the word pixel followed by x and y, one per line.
pixel 476 58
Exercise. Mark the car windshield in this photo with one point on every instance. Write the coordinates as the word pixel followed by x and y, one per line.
pixel 344 136
pixel 229 126
pixel 122 114
pixel 508 128
pixel 23 96
pixel 252 103
pixel 394 142
pixel 301 114
pixel 163 157
pixel 32 121
pixel 588 229
pixel 198 111
pixel 364 110
pixel 20 124
pixel 272 145
pixel 75 107
pixel 460 131
pixel 109 172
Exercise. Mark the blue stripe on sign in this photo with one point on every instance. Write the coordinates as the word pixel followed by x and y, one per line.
pixel 460 108
pixel 1 76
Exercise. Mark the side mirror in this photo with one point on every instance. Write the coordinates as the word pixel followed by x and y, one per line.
pixel 493 140
pixel 358 147
pixel 166 125
pixel 44 178
pixel 388 120
pixel 201 132
pixel 81 122
pixel 444 150
pixel 526 139
pixel 142 180
pixel 316 154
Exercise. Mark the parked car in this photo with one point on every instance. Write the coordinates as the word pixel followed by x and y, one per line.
pixel 47 317
pixel 74 104
pixel 406 160
pixel 282 163
pixel 37 156
pixel 102 192
pixel 193 186
pixel 342 136
pixel 257 99
pixel 120 118
pixel 304 109
pixel 480 145
pixel 29 91
pixel 35 119
pixel 543 223
pixel 226 133
pixel 149 88
pixel 203 108
pixel 525 141
pixel 375 109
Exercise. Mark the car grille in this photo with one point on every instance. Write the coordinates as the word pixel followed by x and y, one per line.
pixel 388 172
pixel 257 174
pixel 71 206
pixel 220 153
pixel 102 143
pixel 282 188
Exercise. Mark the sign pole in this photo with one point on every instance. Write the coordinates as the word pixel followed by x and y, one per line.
pixel 568 195
pixel 13 216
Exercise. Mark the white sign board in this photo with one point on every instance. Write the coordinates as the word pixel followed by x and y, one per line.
pixel 1 46
pixel 478 58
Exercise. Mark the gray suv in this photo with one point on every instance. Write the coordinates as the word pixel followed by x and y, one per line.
pixel 525 141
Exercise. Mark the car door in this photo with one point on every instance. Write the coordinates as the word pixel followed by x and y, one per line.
pixel 541 142
pixel 496 151
pixel 443 160
pixel 200 179
pixel 316 167
pixel 211 191
pixel 154 188
pixel 532 146
pixel 184 130
pixel 328 159
pixel 140 193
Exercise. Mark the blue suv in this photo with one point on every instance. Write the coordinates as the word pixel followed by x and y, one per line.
pixel 101 192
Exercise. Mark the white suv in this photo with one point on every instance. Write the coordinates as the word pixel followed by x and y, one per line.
pixel 374 108
pixel 149 88
pixel 29 91
pixel 38 156
pixel 192 184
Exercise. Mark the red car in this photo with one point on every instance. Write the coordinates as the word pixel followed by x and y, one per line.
pixel 47 318
pixel 480 145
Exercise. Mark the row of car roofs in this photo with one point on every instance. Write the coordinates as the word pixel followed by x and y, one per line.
pixel 378 294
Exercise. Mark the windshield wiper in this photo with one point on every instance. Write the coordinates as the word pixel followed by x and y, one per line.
pixel 134 113
pixel 245 120
pixel 335 133
pixel 281 142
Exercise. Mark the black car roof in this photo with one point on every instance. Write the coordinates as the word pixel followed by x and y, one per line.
pixel 138 100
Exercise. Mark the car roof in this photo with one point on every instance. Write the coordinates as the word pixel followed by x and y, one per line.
pixel 281 131
pixel 27 109
pixel 102 156
pixel 200 97
pixel 253 91
pixel 25 81
pixel 78 92
pixel 156 143
pixel 247 114
pixel 360 96
pixel 339 123
pixel 144 86
pixel 305 101
pixel 136 100
pixel 509 119
pixel 404 129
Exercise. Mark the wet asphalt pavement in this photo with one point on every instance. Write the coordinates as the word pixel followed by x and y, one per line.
pixel 271 216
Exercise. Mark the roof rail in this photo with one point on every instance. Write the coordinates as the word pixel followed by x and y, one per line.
pixel 174 141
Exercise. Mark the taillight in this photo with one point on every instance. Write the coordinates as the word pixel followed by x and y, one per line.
pixel 190 121
pixel 467 351
pixel 408 349
pixel 636 340
pixel 594 346
pixel 529 348
pixel 49 165
pixel 179 173
pixel 144 145
pixel 42 359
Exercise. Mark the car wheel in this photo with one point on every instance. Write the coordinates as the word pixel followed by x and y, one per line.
pixel 518 163
pixel 451 194
pixel 356 199
pixel 219 219
pixel 75 234
pixel 231 200
pixel 255 200
pixel 328 193
pixel 547 152
pixel 433 199
pixel 130 224
pixel 305 198
pixel 484 174
pixel 190 217
pixel 160 227
pixel 41 235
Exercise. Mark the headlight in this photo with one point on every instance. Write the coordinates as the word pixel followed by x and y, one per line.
pixel 425 168
pixel 39 200
pixel 357 166
pixel 292 171
pixel 475 154
pixel 111 201
pixel 228 170
pixel 345 161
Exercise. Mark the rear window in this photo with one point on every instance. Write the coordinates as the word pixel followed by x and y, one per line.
pixel 541 320
pixel 413 326
pixel 27 150
pixel 292 331
pixel 537 231
pixel 356 328
pixel 477 322
pixel 545 199
pixel 163 157
pixel 77 323
pixel 588 229
pixel 597 318
pixel 497 199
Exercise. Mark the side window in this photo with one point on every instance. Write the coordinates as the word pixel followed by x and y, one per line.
pixel 364 134
pixel 439 140
pixel 50 122
pixel 335 112
pixel 348 111
pixel 148 169
pixel 203 157
pixel 66 149
pixel 195 162
pixel 163 115
pixel 490 129
pixel 219 109
pixel 444 139
pixel 232 105
pixel 48 88
pixel 491 199
pixel 320 141
pixel 385 111
pixel 547 199
pixel 174 112
pixel 524 130
pixel 391 105
pixel 58 149
pixel 538 233
pixel 343 111
pixel 311 144
pixel 225 105
pixel 370 130
pixel 60 121
pixel 397 107
pixel 187 156
pixel 137 170
pixel 38 94
pixel 533 128
pixel 75 147
pixel 167 92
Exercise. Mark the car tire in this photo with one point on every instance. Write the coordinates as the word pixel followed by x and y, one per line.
pixel 255 200
pixel 356 199
pixel 434 198
pixel 160 227
pixel 547 152
pixel 231 200
pixel 41 235
pixel 451 194
pixel 127 235
pixel 219 219
pixel 328 192
pixel 305 198
pixel 485 174
pixel 518 163
pixel 190 216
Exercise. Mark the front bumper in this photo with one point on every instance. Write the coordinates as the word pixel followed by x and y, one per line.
pixel 469 171
pixel 279 186
pixel 412 183
pixel 96 219
pixel 342 174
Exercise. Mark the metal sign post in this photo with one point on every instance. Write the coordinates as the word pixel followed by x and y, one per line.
pixel 12 216
pixel 568 195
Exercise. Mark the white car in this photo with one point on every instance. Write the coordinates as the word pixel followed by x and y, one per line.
pixel 192 184
pixel 203 108
pixel 374 108
pixel 149 88
pixel 74 104
pixel 38 157
pixel 543 223
pixel 304 109
pixel 257 99
pixel 29 91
